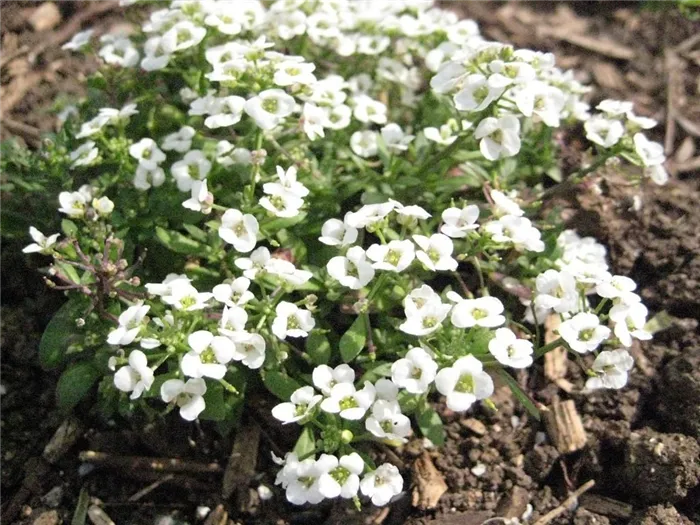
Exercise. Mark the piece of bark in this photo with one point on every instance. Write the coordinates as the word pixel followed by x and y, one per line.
pixel 474 425
pixel 554 360
pixel 98 516
pixel 513 504
pixel 476 517
pixel 428 483
pixel 600 45
pixel 63 439
pixel 565 427
pixel 46 16
pixel 241 463
pixel 606 506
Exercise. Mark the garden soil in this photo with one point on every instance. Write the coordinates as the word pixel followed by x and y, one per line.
pixel 635 457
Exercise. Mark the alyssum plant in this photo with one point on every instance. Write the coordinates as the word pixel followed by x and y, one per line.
pixel 340 200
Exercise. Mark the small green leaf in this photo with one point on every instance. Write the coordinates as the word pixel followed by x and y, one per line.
pixel 478 340
pixel 660 321
pixel 69 228
pixel 519 394
pixel 75 383
pixel 378 370
pixel 60 333
pixel 178 242
pixel 306 444
pixel 215 408
pixel 319 348
pixel 431 426
pixel 353 341
pixel 280 384
pixel 196 232
pixel 81 508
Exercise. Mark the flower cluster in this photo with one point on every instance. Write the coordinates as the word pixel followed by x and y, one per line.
pixel 341 202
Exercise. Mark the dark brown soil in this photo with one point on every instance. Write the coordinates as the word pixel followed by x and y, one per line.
pixel 642 449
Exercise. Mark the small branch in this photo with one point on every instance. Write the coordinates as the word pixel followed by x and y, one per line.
pixel 146 463
pixel 150 488
pixel 566 504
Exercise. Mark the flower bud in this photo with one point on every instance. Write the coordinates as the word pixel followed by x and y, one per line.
pixel 346 436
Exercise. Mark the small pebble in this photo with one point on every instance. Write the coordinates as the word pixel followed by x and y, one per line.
pixel 264 492
pixel 202 512
pixel 478 470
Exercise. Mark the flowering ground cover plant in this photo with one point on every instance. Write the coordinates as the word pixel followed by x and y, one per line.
pixel 342 205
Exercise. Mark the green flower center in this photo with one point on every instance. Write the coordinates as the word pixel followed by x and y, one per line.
pixel 347 403
pixel 147 153
pixel 478 313
pixel 465 384
pixel 277 202
pixel 271 105
pixel 429 322
pixel 586 335
pixel 292 323
pixel 434 255
pixel 497 136
pixel 293 71
pixel 300 409
pixel 392 257
pixel 193 171
pixel 307 481
pixel 481 93
pixel 208 356
pixel 186 302
pixel 340 474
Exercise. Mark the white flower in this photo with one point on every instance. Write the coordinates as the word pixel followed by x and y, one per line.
pixel 478 92
pixel 136 377
pixel 225 111
pixel 292 321
pixel 287 183
pixel 233 321
pixel 282 204
pixel 301 405
pixel 187 396
pixel 657 174
pixel 80 39
pixel 603 131
pixel 542 100
pixel 255 264
pixel 517 230
pixel 120 52
pixel 448 76
pixel 155 56
pixel 499 137
pixel 387 422
pixel 194 166
pixel 484 311
pixel 364 143
pixel 165 288
pixel 119 115
pixel 148 154
pixel 415 372
pixel 459 222
pixel 445 135
pixel 181 36
pixel 289 72
pixel 386 390
pixel 249 350
pixel 352 270
pixel 395 256
pixel 556 291
pixel 301 480
pixel 208 356
pixel 504 205
pixel 269 108
pixel 92 127
pixel 41 244
pixel 348 402
pixel 369 110
pixel 103 206
pixel 146 178
pixel 382 484
pixel 183 296
pixel 222 20
pixel 509 350
pixel 615 108
pixel 325 377
pixel 425 320
pixel 130 324
pixel 342 476
pixel 464 383
pixel 201 198
pixel 84 155
pixel 650 153
pixel 436 252
pixel 618 287
pixel 335 232
pixel 610 368
pixel 420 297
pixel 337 117
pixel 394 138
pixel 239 230
pixel 630 320
pixel 235 293
pixel 313 119
pixel 583 332
pixel 73 203
pixel 369 214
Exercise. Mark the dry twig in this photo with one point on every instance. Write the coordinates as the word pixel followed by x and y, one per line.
pixel 145 463
pixel 566 504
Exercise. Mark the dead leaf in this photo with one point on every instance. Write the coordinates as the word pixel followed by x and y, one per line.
pixel 428 484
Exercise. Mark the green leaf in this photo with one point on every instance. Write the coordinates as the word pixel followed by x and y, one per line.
pixel 353 341
pixel 75 383
pixel 215 409
pixel 478 340
pixel 306 444
pixel 378 370
pixel 519 394
pixel 69 228
pixel 319 348
pixel 280 384
pixel 81 508
pixel 196 232
pixel 431 426
pixel 60 333
pixel 178 242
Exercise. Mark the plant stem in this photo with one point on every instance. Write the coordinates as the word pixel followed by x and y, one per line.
pixel 550 346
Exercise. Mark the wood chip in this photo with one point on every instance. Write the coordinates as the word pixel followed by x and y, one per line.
pixel 685 151
pixel 63 439
pixel 601 45
pixel 565 427
pixel 474 425
pixel 608 76
pixel 606 506
pixel 514 504
pixel 554 360
pixel 45 17
pixel 241 463
pixel 428 483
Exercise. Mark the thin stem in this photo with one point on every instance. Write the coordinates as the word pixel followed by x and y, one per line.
pixel 550 346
